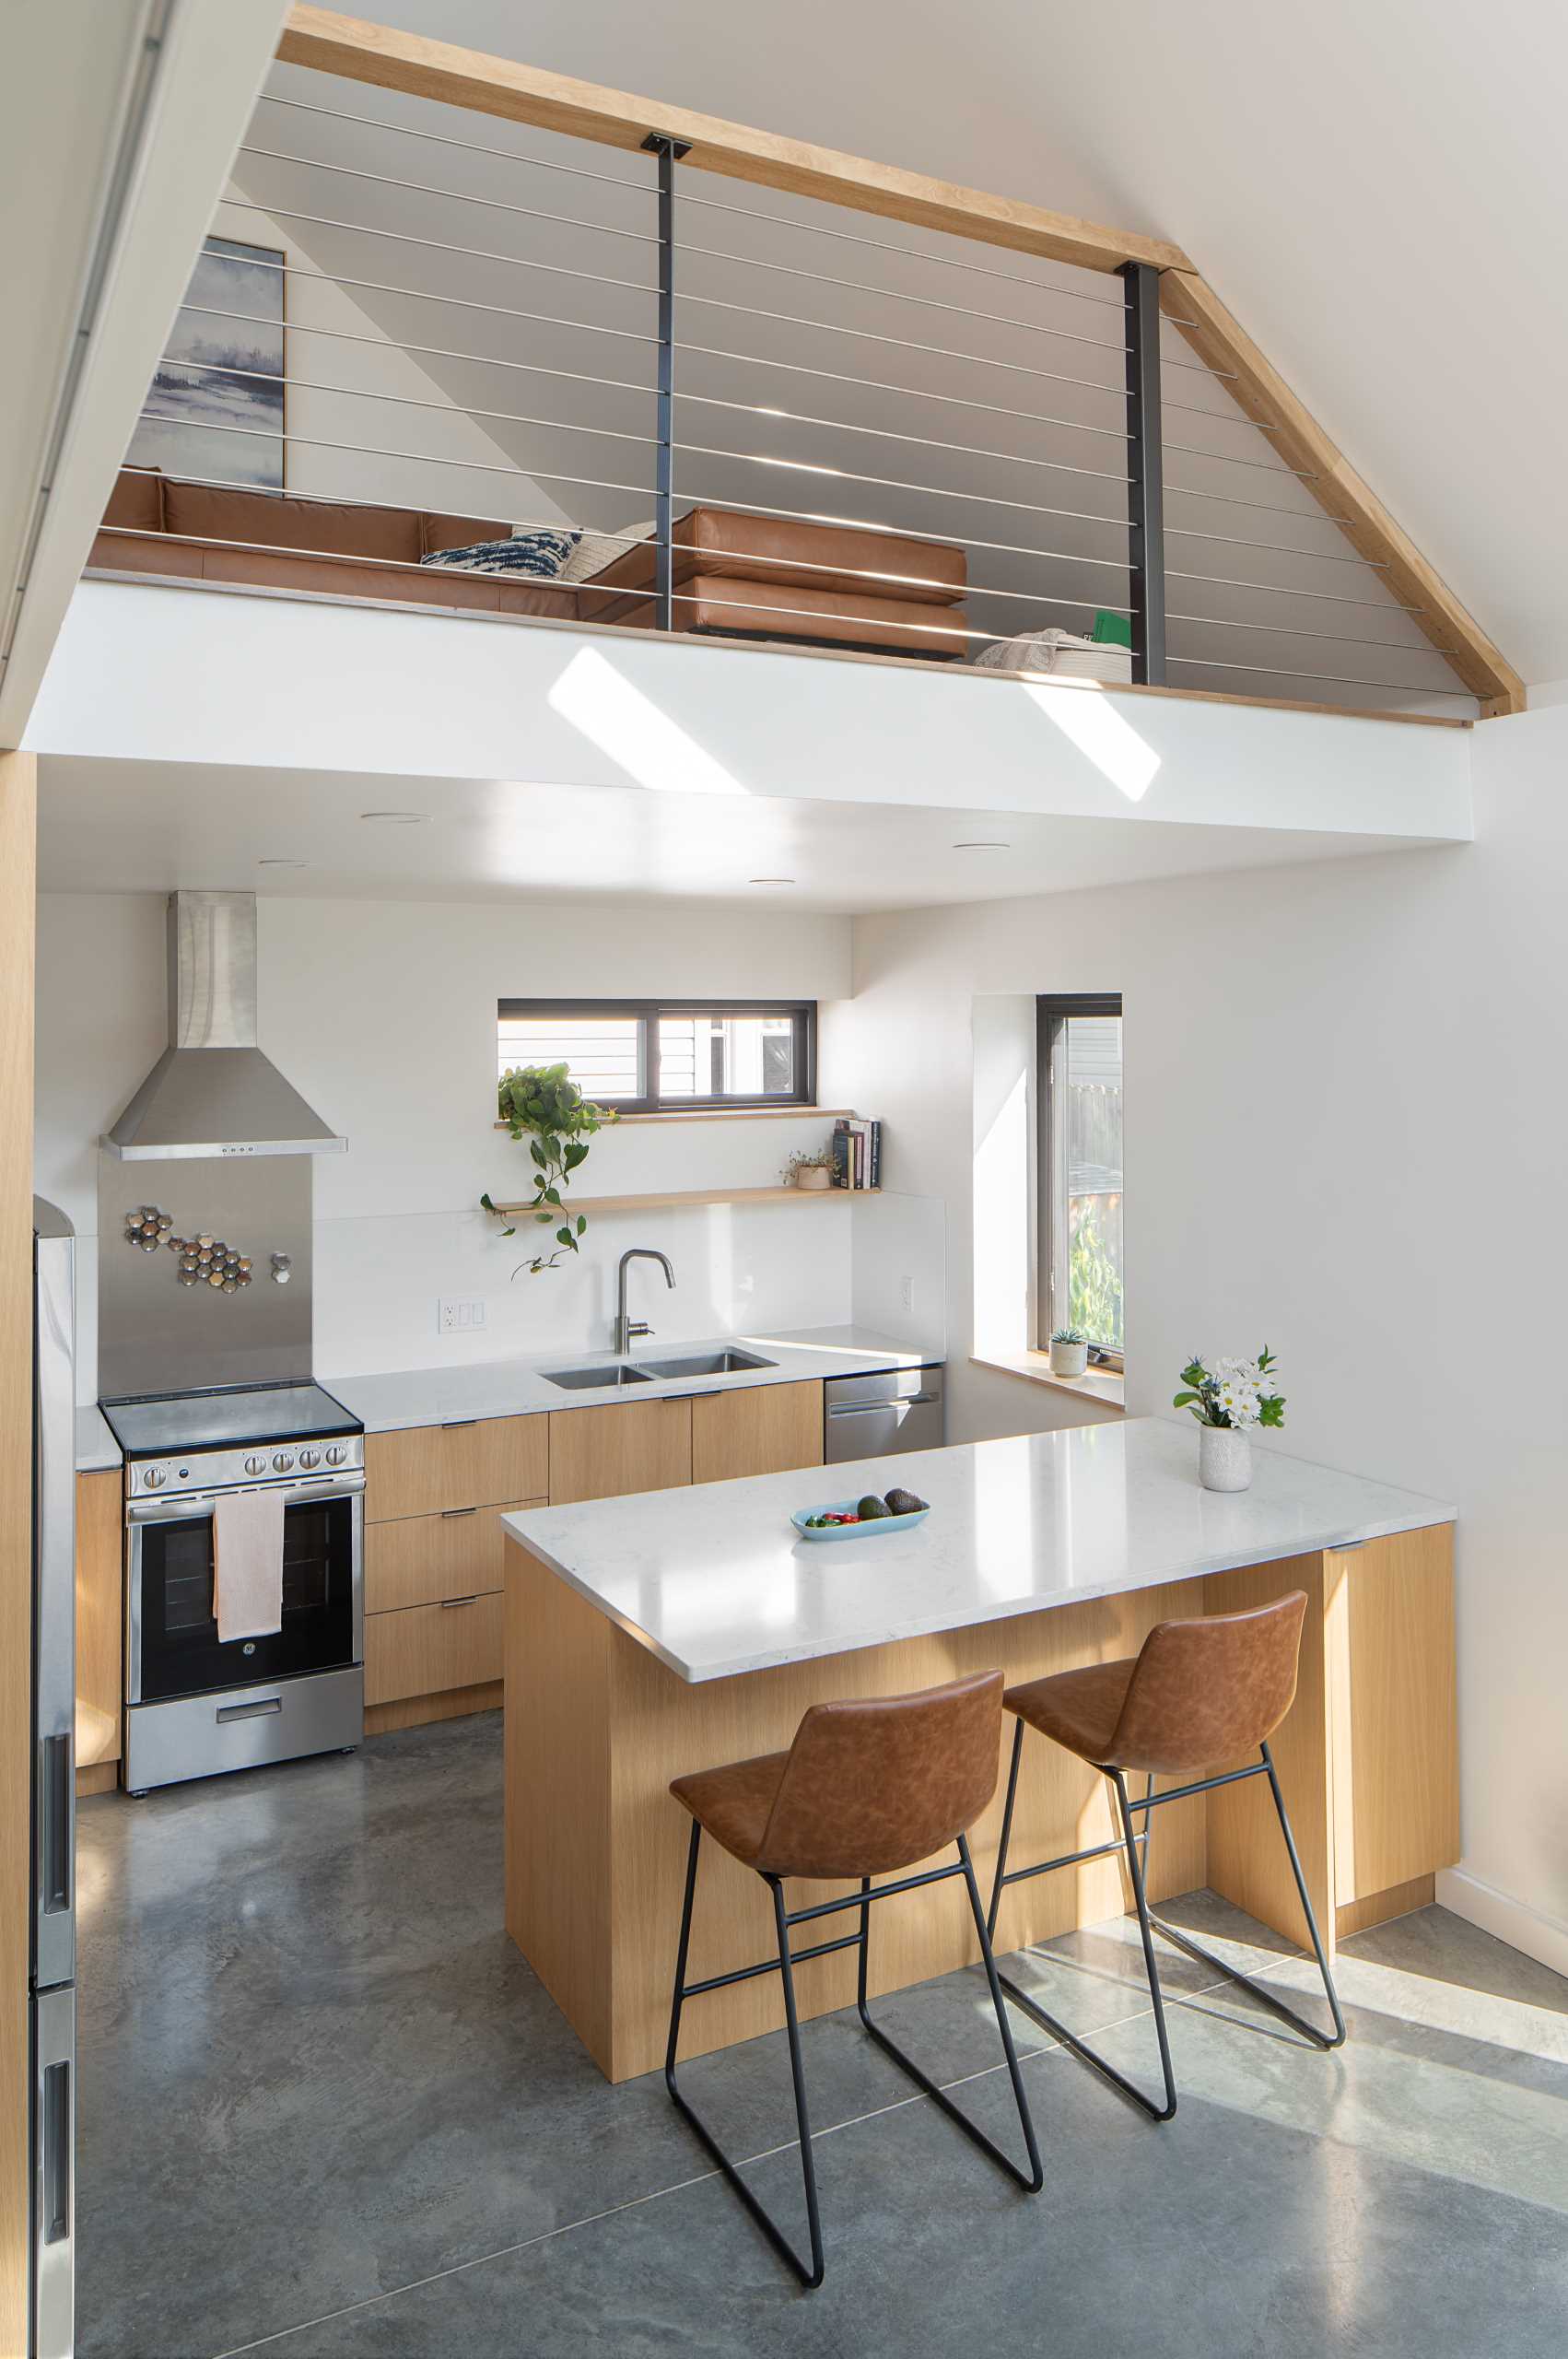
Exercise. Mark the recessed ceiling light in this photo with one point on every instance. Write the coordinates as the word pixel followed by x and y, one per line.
pixel 983 843
pixel 280 863
pixel 397 818
pixel 770 880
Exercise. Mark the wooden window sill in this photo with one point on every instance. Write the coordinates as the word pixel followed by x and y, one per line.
pixel 1106 1387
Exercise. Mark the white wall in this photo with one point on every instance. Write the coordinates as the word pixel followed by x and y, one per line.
pixel 1346 1135
pixel 385 1015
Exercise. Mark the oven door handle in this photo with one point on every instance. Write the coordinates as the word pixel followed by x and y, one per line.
pixel 193 1505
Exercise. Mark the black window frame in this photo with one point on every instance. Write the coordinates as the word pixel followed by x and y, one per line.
pixel 1052 1009
pixel 646 1013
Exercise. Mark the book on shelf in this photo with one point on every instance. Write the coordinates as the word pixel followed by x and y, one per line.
pixel 857 1152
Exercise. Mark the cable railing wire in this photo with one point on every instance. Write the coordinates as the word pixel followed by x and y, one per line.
pixel 376 451
pixel 410 401
pixel 444 139
pixel 456 196
pixel 425 351
pixel 1333 679
pixel 427 295
pixel 436 245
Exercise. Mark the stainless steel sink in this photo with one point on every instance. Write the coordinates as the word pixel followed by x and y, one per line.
pixel 726 1362
pixel 595 1380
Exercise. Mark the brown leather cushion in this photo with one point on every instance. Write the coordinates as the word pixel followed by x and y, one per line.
pixel 722 544
pixel 136 502
pixel 1077 1709
pixel 767 610
pixel 734 1804
pixel 1198 1694
pixel 868 1788
pixel 332 527
pixel 437 533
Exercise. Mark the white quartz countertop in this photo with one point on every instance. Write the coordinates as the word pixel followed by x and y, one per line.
pixel 514 1388
pixel 436 1396
pixel 714 1581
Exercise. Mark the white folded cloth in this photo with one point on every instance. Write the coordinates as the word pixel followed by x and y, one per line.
pixel 1062 652
pixel 248 1564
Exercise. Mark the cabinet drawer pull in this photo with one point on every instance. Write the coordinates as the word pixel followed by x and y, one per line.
pixel 452 1424
pixel 447 1603
pixel 447 1513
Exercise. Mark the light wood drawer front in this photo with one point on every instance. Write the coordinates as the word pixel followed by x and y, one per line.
pixel 760 1430
pixel 424 1559
pixel 425 1648
pixel 602 1454
pixel 427 1468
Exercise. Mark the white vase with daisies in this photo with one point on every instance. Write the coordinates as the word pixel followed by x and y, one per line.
pixel 1229 1397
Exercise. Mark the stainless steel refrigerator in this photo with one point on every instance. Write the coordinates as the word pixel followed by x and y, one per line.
pixel 51 1961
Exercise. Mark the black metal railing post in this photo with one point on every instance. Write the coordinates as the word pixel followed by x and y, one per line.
pixel 669 152
pixel 1145 491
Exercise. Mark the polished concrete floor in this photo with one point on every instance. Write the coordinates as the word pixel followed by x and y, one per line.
pixel 326 2110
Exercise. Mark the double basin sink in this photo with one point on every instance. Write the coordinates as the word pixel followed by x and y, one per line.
pixel 619 1373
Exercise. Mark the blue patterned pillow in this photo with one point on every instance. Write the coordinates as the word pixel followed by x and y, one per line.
pixel 538 555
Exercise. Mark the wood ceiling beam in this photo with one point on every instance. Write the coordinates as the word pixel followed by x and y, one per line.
pixel 332 43
pixel 1256 386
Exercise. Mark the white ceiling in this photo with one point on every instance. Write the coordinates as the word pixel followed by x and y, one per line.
pixel 1379 193
pixel 107 826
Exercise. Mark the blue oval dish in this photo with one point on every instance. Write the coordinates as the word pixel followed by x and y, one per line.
pixel 866 1530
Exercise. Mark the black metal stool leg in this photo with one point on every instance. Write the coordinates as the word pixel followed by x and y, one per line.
pixel 1030 2180
pixel 1031 2005
pixel 810 2276
pixel 1006 1829
pixel 1246 1981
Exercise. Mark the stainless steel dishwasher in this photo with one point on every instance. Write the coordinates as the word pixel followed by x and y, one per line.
pixel 875 1416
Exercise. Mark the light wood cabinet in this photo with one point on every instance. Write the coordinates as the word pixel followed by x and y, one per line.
pixel 421 1649
pixel 763 1430
pixel 635 1446
pixel 100 1618
pixel 424 1558
pixel 425 1469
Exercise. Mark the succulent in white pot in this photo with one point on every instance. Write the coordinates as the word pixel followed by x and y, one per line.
pixel 1069 1352
pixel 1228 1397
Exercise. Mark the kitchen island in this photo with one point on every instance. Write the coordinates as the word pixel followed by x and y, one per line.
pixel 660 1632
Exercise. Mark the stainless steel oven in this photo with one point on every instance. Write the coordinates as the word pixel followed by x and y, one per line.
pixel 197 1704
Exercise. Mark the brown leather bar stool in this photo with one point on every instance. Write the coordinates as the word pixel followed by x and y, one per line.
pixel 866 1790
pixel 1197 1694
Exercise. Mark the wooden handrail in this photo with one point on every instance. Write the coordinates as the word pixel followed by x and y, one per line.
pixel 419 67
pixel 466 77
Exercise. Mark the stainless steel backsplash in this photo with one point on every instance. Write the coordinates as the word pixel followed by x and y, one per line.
pixel 155 1335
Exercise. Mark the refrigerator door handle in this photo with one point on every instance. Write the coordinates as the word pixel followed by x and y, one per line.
pixel 58 1800
pixel 53 2201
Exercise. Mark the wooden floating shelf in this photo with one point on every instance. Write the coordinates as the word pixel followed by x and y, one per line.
pixel 677 1196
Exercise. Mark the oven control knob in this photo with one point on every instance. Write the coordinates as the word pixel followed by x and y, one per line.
pixel 282 1462
pixel 310 1460
pixel 255 1464
pixel 337 1454
pixel 155 1477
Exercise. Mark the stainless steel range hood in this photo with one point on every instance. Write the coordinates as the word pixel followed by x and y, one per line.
pixel 213 1092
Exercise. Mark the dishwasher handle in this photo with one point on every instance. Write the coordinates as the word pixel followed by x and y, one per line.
pixel 881 1408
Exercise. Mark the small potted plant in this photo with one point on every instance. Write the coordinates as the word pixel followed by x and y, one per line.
pixel 1069 1352
pixel 1228 1398
pixel 810 1167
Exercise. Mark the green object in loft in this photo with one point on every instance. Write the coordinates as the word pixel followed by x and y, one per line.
pixel 1112 630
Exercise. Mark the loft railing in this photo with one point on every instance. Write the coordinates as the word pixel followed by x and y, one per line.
pixel 937 430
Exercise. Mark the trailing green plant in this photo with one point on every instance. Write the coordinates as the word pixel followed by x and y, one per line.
pixel 815 1158
pixel 540 1104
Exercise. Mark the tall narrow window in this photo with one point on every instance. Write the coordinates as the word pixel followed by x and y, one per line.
pixel 1079 1272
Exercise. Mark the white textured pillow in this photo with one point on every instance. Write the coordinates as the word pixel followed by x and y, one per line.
pixel 594 551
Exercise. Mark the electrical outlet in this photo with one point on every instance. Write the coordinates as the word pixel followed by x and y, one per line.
pixel 456 1316
pixel 906 1291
